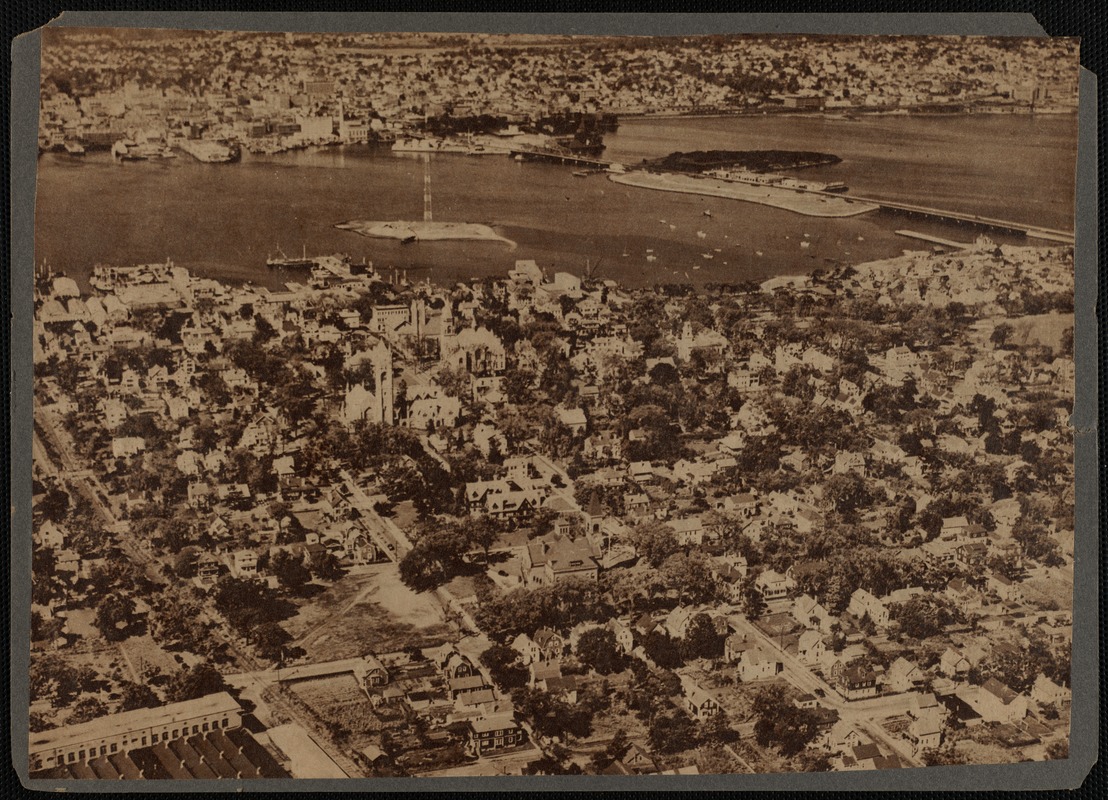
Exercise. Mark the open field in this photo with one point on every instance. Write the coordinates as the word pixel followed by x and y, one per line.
pixel 1040 329
pixel 369 611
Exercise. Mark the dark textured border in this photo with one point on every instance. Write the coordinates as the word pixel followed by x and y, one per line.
pixel 1067 774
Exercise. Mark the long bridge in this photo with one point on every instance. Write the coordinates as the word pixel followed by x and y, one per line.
pixel 560 156
pixel 1031 231
pixel 908 209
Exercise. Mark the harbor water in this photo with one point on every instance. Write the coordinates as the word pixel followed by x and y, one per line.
pixel 223 220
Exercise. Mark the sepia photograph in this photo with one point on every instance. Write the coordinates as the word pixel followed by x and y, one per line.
pixel 439 405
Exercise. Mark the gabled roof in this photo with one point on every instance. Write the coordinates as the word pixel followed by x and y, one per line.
pixel 999 690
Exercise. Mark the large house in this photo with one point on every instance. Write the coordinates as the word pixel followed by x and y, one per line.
pixel 772 585
pixel 699 703
pixel 494 733
pixel 507 498
pixel 548 561
pixel 996 702
pixel 865 604
pixel 858 682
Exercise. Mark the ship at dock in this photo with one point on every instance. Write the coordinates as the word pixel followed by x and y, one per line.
pixel 281 261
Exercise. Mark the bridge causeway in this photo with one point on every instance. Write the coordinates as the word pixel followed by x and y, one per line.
pixel 889 206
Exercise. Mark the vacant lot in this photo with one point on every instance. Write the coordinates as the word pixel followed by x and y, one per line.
pixel 340 703
pixel 370 611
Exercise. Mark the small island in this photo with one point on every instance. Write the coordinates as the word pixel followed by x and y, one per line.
pixel 424 230
pixel 752 160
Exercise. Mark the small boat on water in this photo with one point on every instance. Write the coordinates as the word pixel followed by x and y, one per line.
pixel 707 255
pixel 707 212
pixel 758 253
pixel 74 148
pixel 652 258
pixel 805 244
pixel 672 227
pixel 701 235
pixel 580 173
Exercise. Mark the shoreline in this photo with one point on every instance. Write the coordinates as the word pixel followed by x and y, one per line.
pixel 809 204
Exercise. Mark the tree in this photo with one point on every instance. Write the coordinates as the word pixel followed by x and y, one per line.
pixel 717 728
pixel 1001 334
pixel 551 716
pixel 176 534
pixel 753 604
pixel 263 330
pixel 944 756
pixel 191 683
pixel 689 576
pixel 1036 543
pixel 86 709
pixel 619 745
pixel 137 695
pixel 436 557
pixel 672 732
pixel 54 504
pixel 782 723
pixel 114 615
pixel 45 630
pixel 290 570
pixel 51 678
pixel 246 603
pixel 702 640
pixel 482 532
pixel 847 493
pixel 663 650
pixel 270 639
pixel 597 648
pixel 503 665
pixel 654 541
pixel 325 566
pixel 925 615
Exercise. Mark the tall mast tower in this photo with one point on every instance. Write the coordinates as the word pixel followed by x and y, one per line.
pixel 426 187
